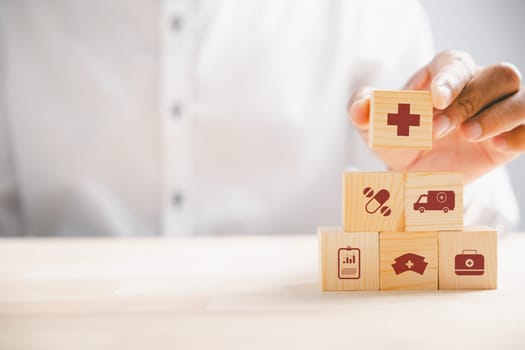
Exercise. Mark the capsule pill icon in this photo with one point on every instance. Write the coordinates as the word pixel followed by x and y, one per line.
pixel 377 201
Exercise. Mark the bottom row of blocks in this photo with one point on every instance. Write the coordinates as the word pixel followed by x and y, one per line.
pixel 408 260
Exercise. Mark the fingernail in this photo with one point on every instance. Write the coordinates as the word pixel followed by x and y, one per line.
pixel 441 125
pixel 472 131
pixel 361 99
pixel 358 102
pixel 501 143
pixel 445 92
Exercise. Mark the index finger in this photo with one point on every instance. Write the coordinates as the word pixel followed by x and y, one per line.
pixel 447 73
pixel 450 72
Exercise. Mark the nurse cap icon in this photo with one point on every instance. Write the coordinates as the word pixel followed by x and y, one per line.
pixel 377 201
pixel 409 262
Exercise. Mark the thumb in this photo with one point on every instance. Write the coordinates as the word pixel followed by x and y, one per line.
pixel 359 108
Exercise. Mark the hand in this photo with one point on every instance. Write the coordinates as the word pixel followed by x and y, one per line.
pixel 479 117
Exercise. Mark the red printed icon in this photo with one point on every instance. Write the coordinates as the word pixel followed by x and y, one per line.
pixel 469 263
pixel 403 119
pixel 410 262
pixel 436 200
pixel 377 201
pixel 349 263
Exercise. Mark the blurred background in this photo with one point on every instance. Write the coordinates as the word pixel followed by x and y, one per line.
pixel 487 25
pixel 99 69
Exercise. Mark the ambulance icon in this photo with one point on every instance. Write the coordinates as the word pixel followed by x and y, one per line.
pixel 436 200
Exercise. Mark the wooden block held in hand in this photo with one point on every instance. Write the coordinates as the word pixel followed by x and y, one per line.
pixel 348 260
pixel 373 202
pixel 434 201
pixel 400 119
pixel 468 259
pixel 408 260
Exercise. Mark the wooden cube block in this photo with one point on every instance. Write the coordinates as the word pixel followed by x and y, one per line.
pixel 468 259
pixel 373 202
pixel 408 260
pixel 434 201
pixel 400 119
pixel 348 260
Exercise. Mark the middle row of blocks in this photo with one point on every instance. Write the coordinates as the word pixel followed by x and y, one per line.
pixel 390 201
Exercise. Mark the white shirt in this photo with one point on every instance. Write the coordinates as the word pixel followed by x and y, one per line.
pixel 194 117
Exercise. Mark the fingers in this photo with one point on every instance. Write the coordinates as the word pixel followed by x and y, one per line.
pixel 449 72
pixel 500 117
pixel 359 108
pixel 483 102
pixel 511 141
pixel 491 84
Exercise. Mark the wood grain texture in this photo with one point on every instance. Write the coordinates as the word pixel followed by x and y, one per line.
pixel 382 135
pixel 331 239
pixel 393 245
pixel 362 213
pixel 455 274
pixel 432 213
pixel 200 292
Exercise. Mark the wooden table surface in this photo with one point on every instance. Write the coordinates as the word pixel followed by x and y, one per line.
pixel 234 293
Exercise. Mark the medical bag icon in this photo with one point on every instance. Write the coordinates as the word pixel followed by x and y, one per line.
pixel 349 263
pixel 469 263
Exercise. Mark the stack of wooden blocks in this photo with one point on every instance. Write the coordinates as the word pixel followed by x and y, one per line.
pixel 405 230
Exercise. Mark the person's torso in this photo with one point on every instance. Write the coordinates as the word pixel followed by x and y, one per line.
pixel 182 117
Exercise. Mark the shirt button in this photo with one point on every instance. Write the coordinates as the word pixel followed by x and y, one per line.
pixel 176 111
pixel 178 199
pixel 176 23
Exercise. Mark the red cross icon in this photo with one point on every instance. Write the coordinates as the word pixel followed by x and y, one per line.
pixel 409 264
pixel 403 119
